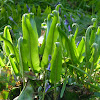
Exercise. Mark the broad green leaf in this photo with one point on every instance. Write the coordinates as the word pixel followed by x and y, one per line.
pixel 56 64
pixel 33 42
pixel 95 53
pixel 34 9
pixel 94 57
pixel 96 49
pixel 50 39
pixel 30 41
pixel 77 27
pixel 58 6
pixel 98 31
pixel 38 11
pixel 47 11
pixel 74 46
pixel 9 47
pixel 68 45
pixel 14 52
pixel 12 49
pixel 93 32
pixel 22 61
pixel 49 21
pixel 81 49
pixel 14 66
pixel 38 21
pixel 98 39
pixel 26 40
pixel 8 37
pixel 25 10
pixel 87 46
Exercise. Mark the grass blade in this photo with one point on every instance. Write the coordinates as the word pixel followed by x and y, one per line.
pixel 63 88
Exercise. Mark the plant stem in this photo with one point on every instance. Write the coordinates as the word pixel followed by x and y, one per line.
pixel 55 93
pixel 44 92
pixel 45 77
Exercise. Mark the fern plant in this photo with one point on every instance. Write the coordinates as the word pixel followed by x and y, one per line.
pixel 60 56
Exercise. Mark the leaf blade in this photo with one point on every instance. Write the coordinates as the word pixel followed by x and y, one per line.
pixel 56 64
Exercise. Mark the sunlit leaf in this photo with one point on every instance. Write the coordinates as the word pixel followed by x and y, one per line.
pixel 56 64
pixel 81 49
pixel 87 46
pixel 30 41
pixel 50 39
pixel 68 45
pixel 93 32
pixel 22 61
pixel 7 36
